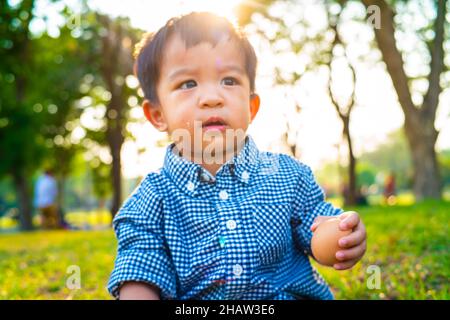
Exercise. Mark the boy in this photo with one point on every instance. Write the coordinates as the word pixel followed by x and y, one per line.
pixel 220 220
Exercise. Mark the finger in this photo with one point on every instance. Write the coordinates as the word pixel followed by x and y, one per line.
pixel 314 226
pixel 317 221
pixel 353 239
pixel 360 226
pixel 349 219
pixel 353 253
pixel 345 265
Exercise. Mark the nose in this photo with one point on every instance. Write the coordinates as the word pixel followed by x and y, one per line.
pixel 210 97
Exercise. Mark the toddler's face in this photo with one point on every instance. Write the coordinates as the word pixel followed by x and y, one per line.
pixel 204 94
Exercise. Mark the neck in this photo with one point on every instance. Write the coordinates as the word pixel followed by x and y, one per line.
pixel 211 168
pixel 218 161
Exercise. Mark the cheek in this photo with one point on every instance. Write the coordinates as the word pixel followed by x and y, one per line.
pixel 184 118
pixel 241 112
pixel 179 111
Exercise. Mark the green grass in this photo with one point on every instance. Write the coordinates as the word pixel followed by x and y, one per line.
pixel 409 244
pixel 93 219
pixel 35 265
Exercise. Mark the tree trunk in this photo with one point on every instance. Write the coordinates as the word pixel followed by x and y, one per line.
pixel 344 111
pixel 117 62
pixel 60 198
pixel 115 139
pixel 427 179
pixel 419 122
pixel 115 144
pixel 350 198
pixel 24 201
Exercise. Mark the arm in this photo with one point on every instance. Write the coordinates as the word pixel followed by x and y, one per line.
pixel 138 291
pixel 143 258
pixel 309 203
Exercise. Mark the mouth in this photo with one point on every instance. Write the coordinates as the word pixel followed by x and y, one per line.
pixel 214 123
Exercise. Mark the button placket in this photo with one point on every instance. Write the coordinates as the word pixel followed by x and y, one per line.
pixel 223 195
pixel 231 224
pixel 237 270
pixel 190 186
pixel 245 176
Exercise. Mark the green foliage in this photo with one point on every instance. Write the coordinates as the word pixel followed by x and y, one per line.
pixel 366 173
pixel 101 179
pixel 39 83
pixel 7 196
pixel 42 81
pixel 392 156
pixel 106 91
pixel 444 161
pixel 20 148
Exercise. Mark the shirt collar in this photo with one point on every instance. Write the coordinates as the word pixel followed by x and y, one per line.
pixel 188 175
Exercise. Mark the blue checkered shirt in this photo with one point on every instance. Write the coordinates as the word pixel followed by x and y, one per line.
pixel 243 234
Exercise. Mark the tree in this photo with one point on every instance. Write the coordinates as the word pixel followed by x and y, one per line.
pixel 39 83
pixel 58 58
pixel 20 149
pixel 117 61
pixel 419 120
pixel 343 110
pixel 111 59
pixel 323 54
pixel 419 117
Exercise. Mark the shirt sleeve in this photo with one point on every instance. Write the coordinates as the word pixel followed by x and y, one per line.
pixel 142 254
pixel 309 203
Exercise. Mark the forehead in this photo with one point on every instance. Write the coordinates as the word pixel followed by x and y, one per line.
pixel 204 55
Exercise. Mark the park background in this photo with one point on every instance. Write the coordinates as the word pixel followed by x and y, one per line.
pixel 358 90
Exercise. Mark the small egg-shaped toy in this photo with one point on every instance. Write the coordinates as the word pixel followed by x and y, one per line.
pixel 324 243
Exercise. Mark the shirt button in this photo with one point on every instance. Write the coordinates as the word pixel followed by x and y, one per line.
pixel 231 224
pixel 223 195
pixel 237 270
pixel 245 176
pixel 190 186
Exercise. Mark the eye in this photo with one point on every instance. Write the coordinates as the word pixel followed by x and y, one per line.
pixel 230 81
pixel 187 84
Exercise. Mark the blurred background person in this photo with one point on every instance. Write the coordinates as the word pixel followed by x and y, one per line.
pixel 46 191
pixel 389 189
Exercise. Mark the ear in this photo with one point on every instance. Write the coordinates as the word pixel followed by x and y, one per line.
pixel 153 113
pixel 254 105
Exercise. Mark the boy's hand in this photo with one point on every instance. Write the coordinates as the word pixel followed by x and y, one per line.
pixel 353 245
pixel 138 291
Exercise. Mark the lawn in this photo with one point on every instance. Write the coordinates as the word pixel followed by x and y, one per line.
pixel 408 244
